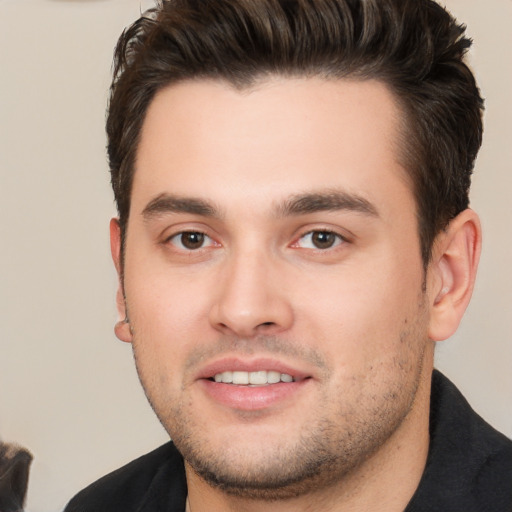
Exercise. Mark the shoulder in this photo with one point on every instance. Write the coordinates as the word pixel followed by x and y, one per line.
pixel 157 477
pixel 469 467
pixel 455 426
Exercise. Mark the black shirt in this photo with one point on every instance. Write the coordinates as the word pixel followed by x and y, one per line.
pixel 469 469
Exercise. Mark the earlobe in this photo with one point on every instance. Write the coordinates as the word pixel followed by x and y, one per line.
pixel 122 328
pixel 453 271
pixel 123 331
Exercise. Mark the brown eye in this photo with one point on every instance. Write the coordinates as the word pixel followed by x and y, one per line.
pixel 323 239
pixel 190 240
pixel 320 240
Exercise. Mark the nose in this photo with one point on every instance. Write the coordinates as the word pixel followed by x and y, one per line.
pixel 252 298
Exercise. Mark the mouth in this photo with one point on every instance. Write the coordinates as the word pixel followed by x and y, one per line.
pixel 253 385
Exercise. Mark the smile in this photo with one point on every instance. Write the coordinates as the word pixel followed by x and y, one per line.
pixel 253 385
pixel 258 378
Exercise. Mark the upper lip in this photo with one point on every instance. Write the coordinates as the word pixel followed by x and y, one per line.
pixel 249 365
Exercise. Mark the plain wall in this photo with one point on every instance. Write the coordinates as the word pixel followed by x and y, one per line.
pixel 68 389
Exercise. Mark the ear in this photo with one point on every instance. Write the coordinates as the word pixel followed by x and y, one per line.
pixel 122 327
pixel 455 257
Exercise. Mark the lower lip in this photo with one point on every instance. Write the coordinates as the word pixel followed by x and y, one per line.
pixel 252 398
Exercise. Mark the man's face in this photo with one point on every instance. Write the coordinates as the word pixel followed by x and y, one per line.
pixel 273 279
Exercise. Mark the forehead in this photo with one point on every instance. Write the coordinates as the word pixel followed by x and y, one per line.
pixel 282 136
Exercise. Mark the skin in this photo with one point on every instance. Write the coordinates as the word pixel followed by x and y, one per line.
pixel 304 255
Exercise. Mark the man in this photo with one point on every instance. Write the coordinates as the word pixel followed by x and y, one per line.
pixel 294 236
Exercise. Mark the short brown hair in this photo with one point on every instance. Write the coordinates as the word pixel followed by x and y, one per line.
pixel 414 46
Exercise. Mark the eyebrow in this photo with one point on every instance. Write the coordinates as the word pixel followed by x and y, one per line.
pixel 300 204
pixel 167 203
pixel 331 200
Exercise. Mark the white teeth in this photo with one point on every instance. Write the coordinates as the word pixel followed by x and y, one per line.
pixel 273 377
pixel 259 378
pixel 227 377
pixel 240 378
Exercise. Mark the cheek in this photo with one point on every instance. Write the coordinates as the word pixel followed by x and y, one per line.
pixel 168 318
pixel 162 299
pixel 358 314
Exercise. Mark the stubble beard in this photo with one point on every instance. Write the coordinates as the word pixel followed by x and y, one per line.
pixel 325 453
pixel 321 458
pixel 327 449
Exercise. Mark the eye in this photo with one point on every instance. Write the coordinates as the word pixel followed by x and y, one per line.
pixel 320 240
pixel 191 240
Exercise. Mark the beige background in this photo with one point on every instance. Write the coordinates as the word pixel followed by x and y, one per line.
pixel 68 390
